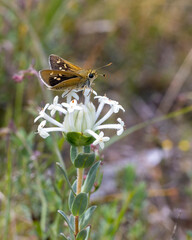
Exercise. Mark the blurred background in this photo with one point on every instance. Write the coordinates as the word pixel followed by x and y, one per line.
pixel 146 191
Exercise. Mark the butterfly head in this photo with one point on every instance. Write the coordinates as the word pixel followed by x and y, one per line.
pixel 92 75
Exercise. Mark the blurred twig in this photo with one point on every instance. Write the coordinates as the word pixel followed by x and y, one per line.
pixel 173 237
pixel 176 84
pixel 151 193
pixel 147 123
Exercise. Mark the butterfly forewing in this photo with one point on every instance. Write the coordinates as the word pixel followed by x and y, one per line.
pixel 56 79
pixel 65 75
pixel 58 63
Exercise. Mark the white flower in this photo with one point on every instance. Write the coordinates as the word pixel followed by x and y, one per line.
pixel 42 113
pixel 70 94
pixel 102 98
pixel 87 94
pixel 72 106
pixel 42 132
pixel 99 139
pixel 82 118
pixel 114 105
pixel 121 126
pixel 56 107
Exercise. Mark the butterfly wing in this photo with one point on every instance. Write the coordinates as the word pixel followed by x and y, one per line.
pixel 61 80
pixel 58 63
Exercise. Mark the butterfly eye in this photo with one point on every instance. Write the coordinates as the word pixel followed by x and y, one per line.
pixel 91 75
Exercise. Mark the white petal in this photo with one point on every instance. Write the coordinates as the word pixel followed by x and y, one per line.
pixel 94 92
pixel 106 139
pixel 44 134
pixel 37 118
pixel 102 98
pixel 100 139
pixel 101 134
pixel 96 142
pixel 42 124
pixel 120 131
pixel 65 104
pixel 46 106
pixel 53 111
pixel 55 100
pixel 92 133
pixel 41 113
pixel 70 93
pixel 101 144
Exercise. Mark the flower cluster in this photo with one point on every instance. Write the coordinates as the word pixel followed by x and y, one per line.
pixel 82 118
pixel 18 77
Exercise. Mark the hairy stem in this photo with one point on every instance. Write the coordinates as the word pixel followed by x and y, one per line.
pixel 80 172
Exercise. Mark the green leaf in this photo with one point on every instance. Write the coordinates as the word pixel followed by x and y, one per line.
pixel 84 160
pixel 137 230
pixel 139 196
pixel 88 231
pixel 87 149
pixel 71 195
pixel 65 175
pixel 73 153
pixel 85 217
pixel 128 176
pixel 79 139
pixel 64 237
pixel 66 219
pixel 82 235
pixel 80 204
pixel 90 179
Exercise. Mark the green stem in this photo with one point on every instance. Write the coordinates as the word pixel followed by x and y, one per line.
pixel 43 199
pixel 79 179
pixel 57 152
pixel 18 101
pixel 80 173
pixel 122 212
pixel 147 123
pixel 39 187
pixel 9 189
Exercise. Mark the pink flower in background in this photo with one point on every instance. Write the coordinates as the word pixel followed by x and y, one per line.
pixel 18 77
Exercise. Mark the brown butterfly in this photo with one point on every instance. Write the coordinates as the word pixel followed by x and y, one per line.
pixel 64 75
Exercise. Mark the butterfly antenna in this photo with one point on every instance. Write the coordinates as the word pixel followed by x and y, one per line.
pixel 107 65
pixel 102 74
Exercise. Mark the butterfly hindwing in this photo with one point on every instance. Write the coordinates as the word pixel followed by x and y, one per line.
pixel 58 63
